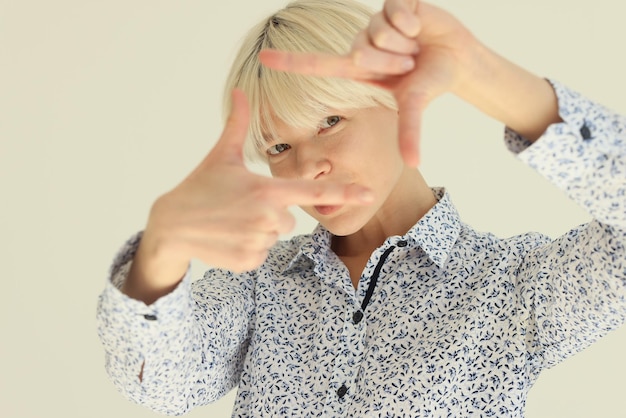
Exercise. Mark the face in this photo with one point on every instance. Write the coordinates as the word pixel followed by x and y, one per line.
pixel 354 147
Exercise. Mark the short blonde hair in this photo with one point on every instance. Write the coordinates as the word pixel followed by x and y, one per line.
pixel 328 26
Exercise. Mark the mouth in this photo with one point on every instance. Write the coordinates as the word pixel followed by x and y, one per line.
pixel 327 210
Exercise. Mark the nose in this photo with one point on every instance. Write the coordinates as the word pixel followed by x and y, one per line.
pixel 312 164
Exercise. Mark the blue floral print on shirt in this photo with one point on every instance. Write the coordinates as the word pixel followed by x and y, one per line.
pixel 459 323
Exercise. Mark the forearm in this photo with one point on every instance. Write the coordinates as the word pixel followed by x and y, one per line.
pixel 165 343
pixel 149 279
pixel 521 100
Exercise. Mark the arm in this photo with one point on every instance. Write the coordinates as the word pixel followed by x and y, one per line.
pixel 419 54
pixel 519 99
pixel 223 215
pixel 183 350
pixel 572 290
pixel 583 145
pixel 172 348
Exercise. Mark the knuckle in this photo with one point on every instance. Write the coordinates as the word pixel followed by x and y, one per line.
pixel 378 36
pixel 379 39
pixel 380 31
pixel 396 17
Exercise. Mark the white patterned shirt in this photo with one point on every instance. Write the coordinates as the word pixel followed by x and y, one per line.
pixel 445 322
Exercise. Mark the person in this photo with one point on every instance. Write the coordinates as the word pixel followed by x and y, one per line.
pixel 392 306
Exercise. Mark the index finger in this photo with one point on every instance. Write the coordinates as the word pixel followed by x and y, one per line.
pixel 286 192
pixel 308 63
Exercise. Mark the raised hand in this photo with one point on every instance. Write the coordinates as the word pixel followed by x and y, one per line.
pixel 223 215
pixel 415 50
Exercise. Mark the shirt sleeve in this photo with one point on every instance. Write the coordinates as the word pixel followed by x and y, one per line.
pixel 188 346
pixel 571 290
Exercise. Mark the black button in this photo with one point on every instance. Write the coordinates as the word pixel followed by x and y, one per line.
pixel 357 316
pixel 585 132
pixel 341 392
pixel 402 243
pixel 150 317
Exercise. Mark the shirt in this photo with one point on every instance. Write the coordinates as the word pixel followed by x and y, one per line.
pixel 445 322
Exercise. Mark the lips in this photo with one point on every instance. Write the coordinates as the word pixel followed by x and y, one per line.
pixel 327 210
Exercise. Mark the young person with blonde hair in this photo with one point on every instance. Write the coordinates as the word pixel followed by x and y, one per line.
pixel 392 306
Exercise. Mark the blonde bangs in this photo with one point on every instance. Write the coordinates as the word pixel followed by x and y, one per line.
pixel 296 100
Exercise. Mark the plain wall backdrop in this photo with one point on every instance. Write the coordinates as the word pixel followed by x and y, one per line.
pixel 104 105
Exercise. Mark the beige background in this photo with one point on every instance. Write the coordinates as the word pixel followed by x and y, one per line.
pixel 106 104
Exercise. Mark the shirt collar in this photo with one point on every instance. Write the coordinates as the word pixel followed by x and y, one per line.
pixel 435 233
pixel 314 247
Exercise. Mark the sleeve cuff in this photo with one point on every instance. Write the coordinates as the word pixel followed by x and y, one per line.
pixel 584 155
pixel 123 320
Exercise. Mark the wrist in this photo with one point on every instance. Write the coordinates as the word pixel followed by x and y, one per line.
pixel 152 273
pixel 501 89
pixel 478 66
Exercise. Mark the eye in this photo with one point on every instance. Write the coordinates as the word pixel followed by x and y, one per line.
pixel 329 122
pixel 277 149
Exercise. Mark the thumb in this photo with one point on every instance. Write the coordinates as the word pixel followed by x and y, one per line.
pixel 410 108
pixel 229 147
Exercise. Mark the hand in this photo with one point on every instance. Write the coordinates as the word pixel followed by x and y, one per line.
pixel 223 215
pixel 415 50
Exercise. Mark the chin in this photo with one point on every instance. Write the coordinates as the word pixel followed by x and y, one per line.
pixel 346 221
pixel 343 225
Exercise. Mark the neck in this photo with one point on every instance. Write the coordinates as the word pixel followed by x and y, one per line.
pixel 404 207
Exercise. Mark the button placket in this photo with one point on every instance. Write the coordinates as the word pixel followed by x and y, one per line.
pixel 349 357
pixel 357 317
pixel 351 348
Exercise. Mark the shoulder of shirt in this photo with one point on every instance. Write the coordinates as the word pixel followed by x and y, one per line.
pixel 486 241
